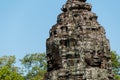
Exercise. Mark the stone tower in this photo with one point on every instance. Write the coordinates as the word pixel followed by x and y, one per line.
pixel 77 48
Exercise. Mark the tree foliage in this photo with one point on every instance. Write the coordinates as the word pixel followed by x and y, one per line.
pixel 116 64
pixel 7 69
pixel 7 61
pixel 35 65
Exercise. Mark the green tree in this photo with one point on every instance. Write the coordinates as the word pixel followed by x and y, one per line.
pixel 35 66
pixel 7 69
pixel 116 64
pixel 7 61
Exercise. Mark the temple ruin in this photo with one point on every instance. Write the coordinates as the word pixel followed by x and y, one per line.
pixel 77 48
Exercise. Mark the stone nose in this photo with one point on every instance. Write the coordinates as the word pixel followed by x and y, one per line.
pixel 95 55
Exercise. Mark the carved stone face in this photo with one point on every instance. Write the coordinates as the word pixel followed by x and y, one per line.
pixel 93 59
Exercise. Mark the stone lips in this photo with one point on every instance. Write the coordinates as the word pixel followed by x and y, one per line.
pixel 77 48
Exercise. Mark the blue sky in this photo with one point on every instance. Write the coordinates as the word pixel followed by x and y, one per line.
pixel 25 24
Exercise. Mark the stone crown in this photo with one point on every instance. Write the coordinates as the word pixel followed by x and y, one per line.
pixel 76 4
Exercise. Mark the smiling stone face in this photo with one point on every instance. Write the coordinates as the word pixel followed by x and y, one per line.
pixel 93 58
